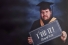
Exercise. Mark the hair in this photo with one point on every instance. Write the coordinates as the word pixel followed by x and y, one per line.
pixel 45 8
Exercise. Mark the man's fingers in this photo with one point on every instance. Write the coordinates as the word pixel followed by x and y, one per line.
pixel 30 41
pixel 64 35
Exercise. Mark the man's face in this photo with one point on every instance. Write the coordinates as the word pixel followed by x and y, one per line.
pixel 45 14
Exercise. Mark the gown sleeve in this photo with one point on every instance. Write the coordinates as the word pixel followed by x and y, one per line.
pixel 64 28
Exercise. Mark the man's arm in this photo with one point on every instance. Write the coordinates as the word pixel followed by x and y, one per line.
pixel 64 32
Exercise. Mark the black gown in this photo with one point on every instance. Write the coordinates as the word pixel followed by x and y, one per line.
pixel 56 41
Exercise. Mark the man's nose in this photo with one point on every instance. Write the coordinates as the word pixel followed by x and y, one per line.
pixel 45 13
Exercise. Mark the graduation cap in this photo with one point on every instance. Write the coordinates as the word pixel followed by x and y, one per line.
pixel 45 5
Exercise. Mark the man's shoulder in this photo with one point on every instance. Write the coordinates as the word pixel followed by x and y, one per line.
pixel 37 21
pixel 35 25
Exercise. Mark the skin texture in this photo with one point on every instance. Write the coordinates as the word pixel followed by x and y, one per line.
pixel 45 15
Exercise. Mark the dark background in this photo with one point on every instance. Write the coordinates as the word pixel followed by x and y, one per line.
pixel 17 16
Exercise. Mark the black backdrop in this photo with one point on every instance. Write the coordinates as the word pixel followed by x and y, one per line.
pixel 17 16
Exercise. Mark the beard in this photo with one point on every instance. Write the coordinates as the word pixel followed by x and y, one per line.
pixel 47 21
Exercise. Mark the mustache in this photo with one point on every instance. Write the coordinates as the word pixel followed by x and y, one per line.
pixel 45 16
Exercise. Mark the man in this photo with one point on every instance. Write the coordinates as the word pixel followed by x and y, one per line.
pixel 45 18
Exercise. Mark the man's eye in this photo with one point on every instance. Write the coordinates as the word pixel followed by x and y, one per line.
pixel 46 11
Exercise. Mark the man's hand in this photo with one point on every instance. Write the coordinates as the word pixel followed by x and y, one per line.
pixel 64 36
pixel 30 41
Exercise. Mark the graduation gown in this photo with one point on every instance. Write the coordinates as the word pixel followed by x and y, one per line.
pixel 57 41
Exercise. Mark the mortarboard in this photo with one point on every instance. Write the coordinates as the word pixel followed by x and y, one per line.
pixel 44 5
